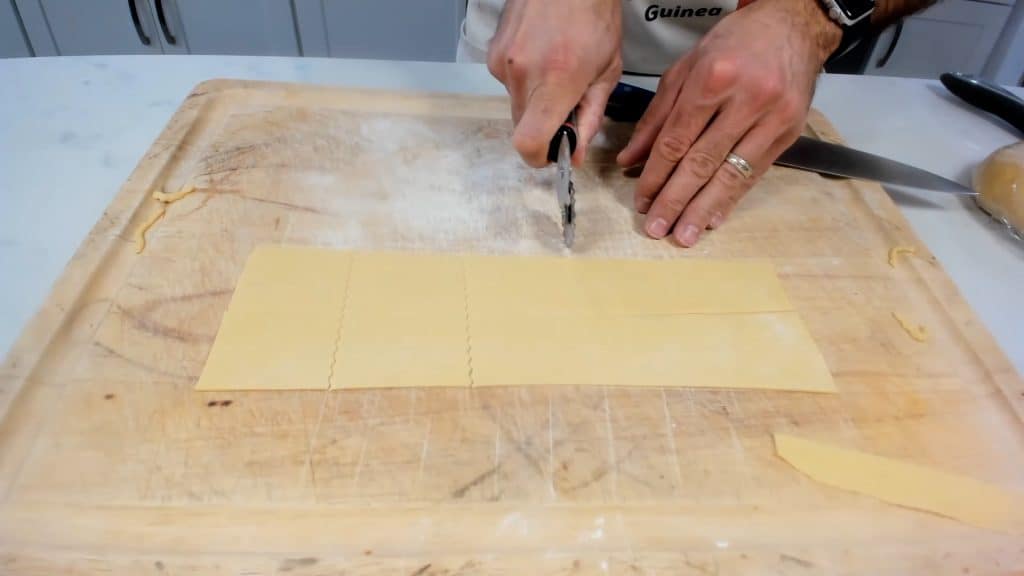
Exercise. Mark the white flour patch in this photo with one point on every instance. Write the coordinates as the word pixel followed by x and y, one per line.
pixel 515 523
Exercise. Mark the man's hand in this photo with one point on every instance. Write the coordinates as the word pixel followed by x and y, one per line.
pixel 552 56
pixel 745 88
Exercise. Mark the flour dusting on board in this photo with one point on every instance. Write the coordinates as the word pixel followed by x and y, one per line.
pixel 406 182
pixel 514 523
pixel 445 179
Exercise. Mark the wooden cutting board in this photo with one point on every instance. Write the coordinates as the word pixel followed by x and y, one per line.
pixel 110 461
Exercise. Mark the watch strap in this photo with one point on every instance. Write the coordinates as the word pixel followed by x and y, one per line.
pixel 852 35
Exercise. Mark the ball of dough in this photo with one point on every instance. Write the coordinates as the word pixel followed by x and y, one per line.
pixel 999 181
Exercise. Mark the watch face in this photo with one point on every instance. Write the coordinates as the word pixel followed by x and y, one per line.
pixel 854 9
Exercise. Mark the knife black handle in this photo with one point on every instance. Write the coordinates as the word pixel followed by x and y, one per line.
pixel 987 96
pixel 627 103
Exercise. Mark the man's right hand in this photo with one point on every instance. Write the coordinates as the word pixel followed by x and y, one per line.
pixel 553 56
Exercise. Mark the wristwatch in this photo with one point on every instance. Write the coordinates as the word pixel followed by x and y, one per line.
pixel 853 16
pixel 846 13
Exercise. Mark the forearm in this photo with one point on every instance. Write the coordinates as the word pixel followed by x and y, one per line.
pixel 826 34
pixel 888 11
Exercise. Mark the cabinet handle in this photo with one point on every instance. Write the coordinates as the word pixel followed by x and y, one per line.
pixel 892 45
pixel 138 25
pixel 163 23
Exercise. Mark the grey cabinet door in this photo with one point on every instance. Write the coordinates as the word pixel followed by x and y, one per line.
pixel 101 27
pixel 383 29
pixel 242 27
pixel 13 43
pixel 953 36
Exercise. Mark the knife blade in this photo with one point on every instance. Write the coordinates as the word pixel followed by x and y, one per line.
pixel 627 104
pixel 835 160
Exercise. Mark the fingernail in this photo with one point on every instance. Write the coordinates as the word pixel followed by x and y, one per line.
pixel 716 220
pixel 689 236
pixel 658 228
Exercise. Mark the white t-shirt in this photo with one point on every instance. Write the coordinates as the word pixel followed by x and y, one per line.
pixel 654 34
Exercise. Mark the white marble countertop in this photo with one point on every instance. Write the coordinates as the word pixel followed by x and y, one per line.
pixel 72 129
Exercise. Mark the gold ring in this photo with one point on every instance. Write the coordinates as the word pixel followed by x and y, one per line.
pixel 741 165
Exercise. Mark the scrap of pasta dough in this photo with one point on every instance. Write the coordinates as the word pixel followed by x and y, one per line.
pixel 168 198
pixel 915 331
pixel 895 251
pixel 140 233
pixel 164 199
pixel 904 484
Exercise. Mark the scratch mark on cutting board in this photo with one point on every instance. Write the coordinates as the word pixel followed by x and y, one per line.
pixel 551 449
pixel 141 365
pixel 517 444
pixel 288 205
pixel 693 402
pixel 423 452
pixel 522 440
pixel 145 324
pixel 637 478
pixel 497 457
pixel 413 400
pixel 796 560
pixel 595 476
pixel 202 204
pixel 737 411
pixel 202 295
pixel 218 190
pixel 613 461
pixel 289 564
pixel 703 568
pixel 139 317
pixel 598 473
pixel 740 453
pixel 366 437
pixel 669 427
pixel 422 570
pixel 309 468
pixel 479 479
pixel 627 539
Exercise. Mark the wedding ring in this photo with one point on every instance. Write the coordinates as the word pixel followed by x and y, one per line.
pixel 741 165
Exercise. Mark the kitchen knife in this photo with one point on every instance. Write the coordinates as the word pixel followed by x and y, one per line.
pixel 987 96
pixel 835 160
pixel 627 104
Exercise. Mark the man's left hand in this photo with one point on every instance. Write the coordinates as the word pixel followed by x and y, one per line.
pixel 745 89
